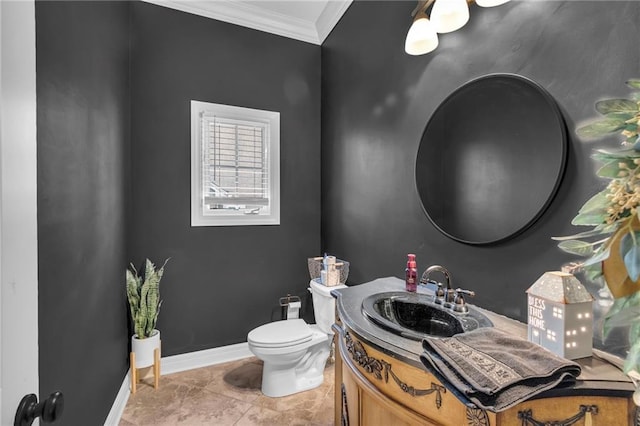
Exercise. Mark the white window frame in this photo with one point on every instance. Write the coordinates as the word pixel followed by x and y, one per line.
pixel 201 215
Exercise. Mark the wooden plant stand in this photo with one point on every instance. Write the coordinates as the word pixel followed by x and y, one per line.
pixel 134 371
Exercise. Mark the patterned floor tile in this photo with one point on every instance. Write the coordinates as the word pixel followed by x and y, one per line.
pixel 226 394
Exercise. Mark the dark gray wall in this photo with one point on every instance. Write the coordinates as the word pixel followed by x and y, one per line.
pixel 109 194
pixel 83 140
pixel 221 281
pixel 377 100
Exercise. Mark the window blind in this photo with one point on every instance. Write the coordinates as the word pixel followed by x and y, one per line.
pixel 235 166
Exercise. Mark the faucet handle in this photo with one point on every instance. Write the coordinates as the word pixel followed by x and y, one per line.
pixel 460 292
pixel 440 295
pixel 459 304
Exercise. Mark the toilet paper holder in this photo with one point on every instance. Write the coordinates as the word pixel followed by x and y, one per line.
pixel 290 306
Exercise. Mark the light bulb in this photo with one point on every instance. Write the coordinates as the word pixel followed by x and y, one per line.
pixel 491 3
pixel 421 38
pixel 449 15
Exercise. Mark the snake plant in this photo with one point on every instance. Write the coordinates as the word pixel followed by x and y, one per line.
pixel 144 297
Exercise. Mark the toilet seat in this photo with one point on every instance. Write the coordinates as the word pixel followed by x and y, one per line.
pixel 281 334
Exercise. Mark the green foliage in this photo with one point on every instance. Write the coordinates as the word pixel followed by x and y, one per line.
pixel 617 105
pixel 581 248
pixel 592 218
pixel 593 212
pixel 623 154
pixel 143 293
pixel 607 210
pixel 630 253
pixel 619 115
pixel 586 234
pixel 600 128
pixel 632 361
pixel 613 169
pixel 623 311
pixel 598 257
pixel 593 271
pixel 612 210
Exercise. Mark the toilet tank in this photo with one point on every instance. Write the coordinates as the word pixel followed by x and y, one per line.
pixel 324 305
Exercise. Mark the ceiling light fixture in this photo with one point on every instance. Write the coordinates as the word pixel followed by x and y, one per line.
pixel 446 16
pixel 490 3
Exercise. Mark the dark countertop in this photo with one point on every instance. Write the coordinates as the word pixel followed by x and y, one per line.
pixel 597 375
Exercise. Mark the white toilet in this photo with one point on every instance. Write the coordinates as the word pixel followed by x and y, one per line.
pixel 295 353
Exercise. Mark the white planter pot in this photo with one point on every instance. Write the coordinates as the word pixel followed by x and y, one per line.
pixel 144 349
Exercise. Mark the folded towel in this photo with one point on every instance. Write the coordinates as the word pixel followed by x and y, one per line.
pixel 495 370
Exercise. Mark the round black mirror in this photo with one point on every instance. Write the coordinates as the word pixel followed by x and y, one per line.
pixel 491 159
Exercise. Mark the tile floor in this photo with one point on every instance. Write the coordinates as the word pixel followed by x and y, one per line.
pixel 226 394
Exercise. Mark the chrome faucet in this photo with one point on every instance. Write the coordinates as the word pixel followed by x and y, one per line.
pixel 442 295
pixel 447 296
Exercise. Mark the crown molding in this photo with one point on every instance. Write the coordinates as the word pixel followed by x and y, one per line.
pixel 330 17
pixel 240 13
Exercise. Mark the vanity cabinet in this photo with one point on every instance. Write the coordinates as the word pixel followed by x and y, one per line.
pixel 373 388
pixel 369 391
pixel 379 380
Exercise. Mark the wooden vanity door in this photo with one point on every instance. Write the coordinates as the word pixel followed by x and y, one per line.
pixel 364 406
pixel 571 410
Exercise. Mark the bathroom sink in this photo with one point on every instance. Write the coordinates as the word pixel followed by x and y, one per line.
pixel 415 316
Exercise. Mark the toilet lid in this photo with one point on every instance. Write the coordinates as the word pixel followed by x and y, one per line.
pixel 323 289
pixel 280 333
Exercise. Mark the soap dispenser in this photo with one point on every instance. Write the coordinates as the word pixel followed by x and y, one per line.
pixel 411 274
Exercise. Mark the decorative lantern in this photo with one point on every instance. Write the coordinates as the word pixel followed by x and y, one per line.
pixel 560 315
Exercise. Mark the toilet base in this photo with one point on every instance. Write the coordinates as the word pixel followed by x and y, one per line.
pixel 272 383
pixel 278 380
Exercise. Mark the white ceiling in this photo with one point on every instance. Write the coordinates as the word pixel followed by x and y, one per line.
pixel 305 20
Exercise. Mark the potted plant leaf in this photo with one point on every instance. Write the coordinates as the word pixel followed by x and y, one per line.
pixel 143 294
pixel 612 246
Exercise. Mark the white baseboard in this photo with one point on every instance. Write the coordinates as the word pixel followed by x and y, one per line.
pixel 175 364
pixel 113 419
pixel 205 358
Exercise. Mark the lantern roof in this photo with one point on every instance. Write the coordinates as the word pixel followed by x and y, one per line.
pixel 560 287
